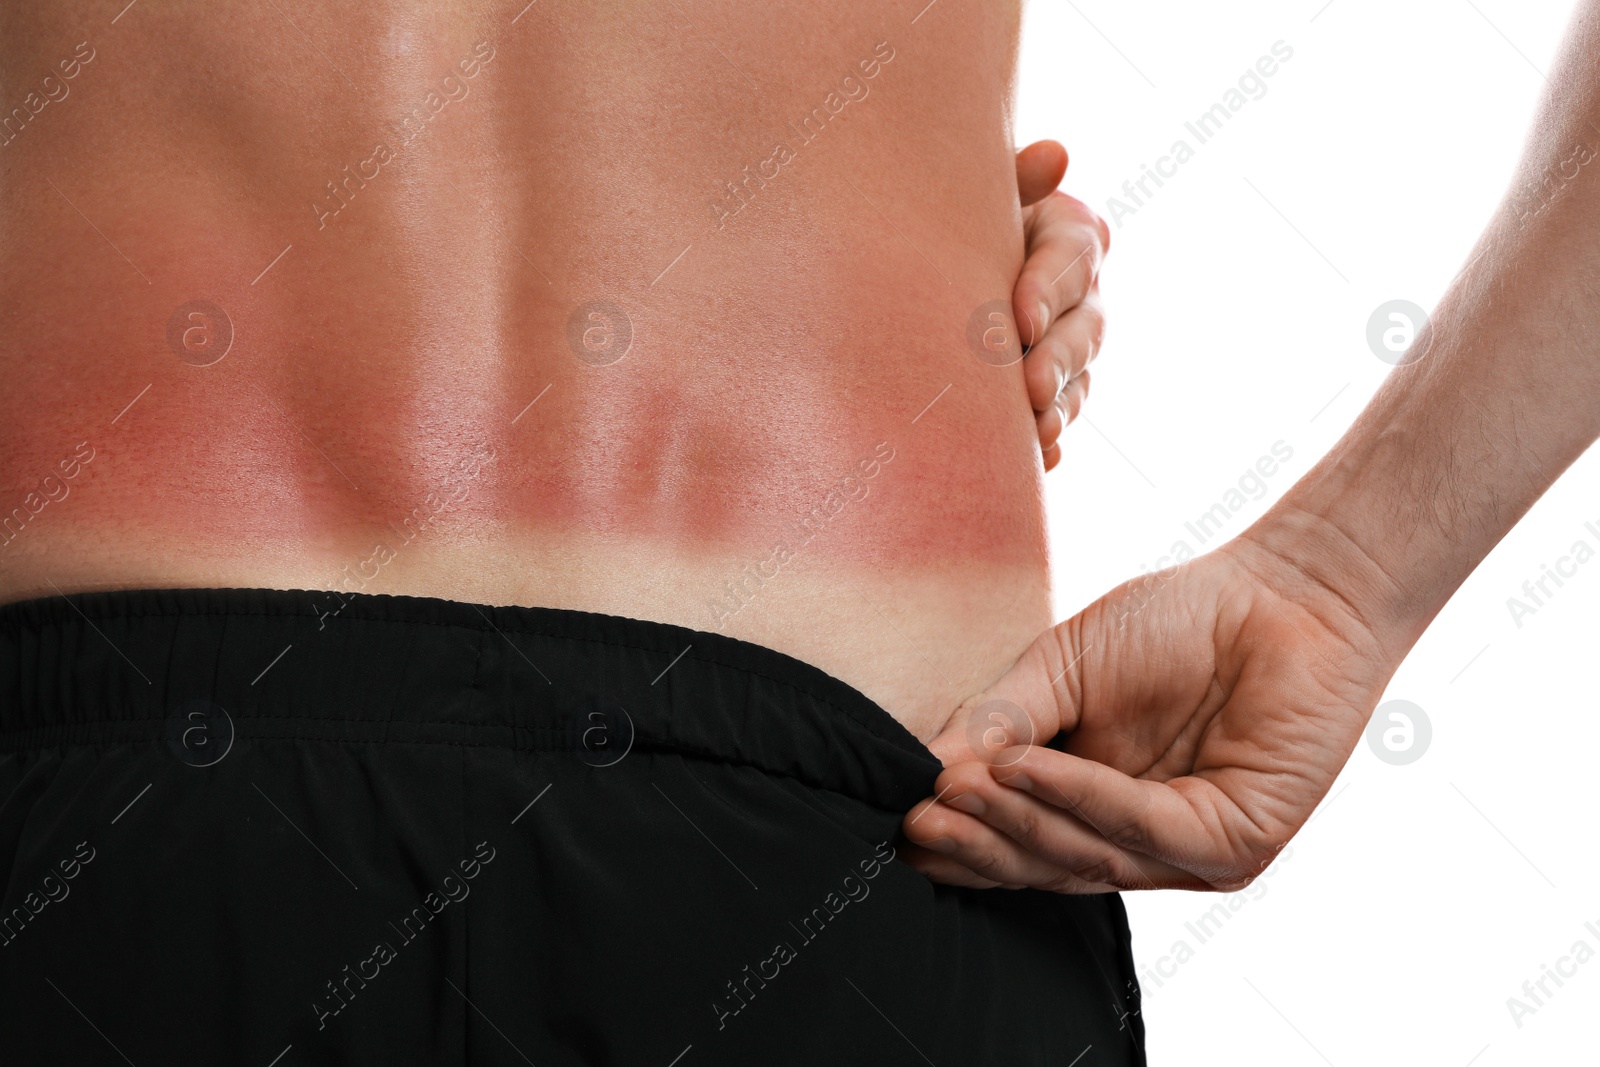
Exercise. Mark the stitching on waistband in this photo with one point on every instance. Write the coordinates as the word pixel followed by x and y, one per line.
pixel 656 749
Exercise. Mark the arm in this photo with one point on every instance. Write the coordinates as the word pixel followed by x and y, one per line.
pixel 1209 708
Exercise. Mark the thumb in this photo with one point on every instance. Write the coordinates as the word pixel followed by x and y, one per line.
pixel 1027 705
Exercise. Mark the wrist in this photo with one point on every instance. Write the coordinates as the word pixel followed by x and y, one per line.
pixel 1310 555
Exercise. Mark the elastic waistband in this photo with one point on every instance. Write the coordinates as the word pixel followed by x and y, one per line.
pixel 133 665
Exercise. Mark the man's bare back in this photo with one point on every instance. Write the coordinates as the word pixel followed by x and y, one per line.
pixel 622 308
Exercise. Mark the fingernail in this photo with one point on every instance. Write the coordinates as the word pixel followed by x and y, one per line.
pixel 941 844
pixel 1020 780
pixel 970 803
pixel 1044 321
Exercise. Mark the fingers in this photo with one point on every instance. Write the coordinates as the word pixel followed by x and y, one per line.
pixel 1053 419
pixel 1028 705
pixel 1066 351
pixel 984 829
pixel 1055 300
pixel 960 849
pixel 1067 848
pixel 941 868
pixel 1057 306
pixel 1066 242
pixel 1181 829
pixel 1040 168
pixel 1052 456
pixel 1061 361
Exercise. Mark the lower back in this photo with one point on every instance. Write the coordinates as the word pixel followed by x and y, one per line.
pixel 661 312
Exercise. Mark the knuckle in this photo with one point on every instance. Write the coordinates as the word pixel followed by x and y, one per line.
pixel 1082 273
pixel 966 777
pixel 1023 827
pixel 983 861
pixel 1048 372
pixel 1093 260
pixel 1070 403
pixel 1032 289
pixel 1130 880
pixel 1094 323
pixel 1074 208
pixel 1061 374
pixel 935 822
pixel 1101 871
pixel 1049 418
pixel 1128 834
pixel 1067 884
pixel 1062 202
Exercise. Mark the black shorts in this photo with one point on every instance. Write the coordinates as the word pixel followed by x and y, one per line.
pixel 262 827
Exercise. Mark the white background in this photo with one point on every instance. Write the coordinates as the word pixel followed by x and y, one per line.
pixel 1421 897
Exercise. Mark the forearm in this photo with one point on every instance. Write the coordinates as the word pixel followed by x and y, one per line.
pixel 1456 446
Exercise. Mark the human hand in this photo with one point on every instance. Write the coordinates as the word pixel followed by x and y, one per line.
pixel 1056 301
pixel 1207 711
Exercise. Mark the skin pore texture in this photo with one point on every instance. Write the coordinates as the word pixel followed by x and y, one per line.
pixel 658 310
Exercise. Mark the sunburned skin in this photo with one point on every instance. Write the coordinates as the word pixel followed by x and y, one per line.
pixel 660 310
